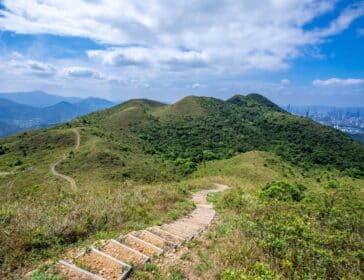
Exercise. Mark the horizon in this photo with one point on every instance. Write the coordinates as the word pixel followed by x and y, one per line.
pixel 116 102
pixel 303 53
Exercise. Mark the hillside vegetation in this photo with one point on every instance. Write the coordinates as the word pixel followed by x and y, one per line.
pixel 198 129
pixel 277 221
pixel 139 161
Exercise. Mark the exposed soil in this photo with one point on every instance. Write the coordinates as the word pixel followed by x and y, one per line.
pixel 121 253
pixel 140 246
pixel 166 235
pixel 72 274
pixel 100 265
pixel 70 180
pixel 151 238
pixel 176 231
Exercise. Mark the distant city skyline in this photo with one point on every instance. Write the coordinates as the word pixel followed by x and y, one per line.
pixel 299 52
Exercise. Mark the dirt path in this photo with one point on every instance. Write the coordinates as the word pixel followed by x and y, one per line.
pixel 70 180
pixel 115 259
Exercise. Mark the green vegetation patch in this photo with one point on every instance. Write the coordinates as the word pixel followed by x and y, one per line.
pixel 298 228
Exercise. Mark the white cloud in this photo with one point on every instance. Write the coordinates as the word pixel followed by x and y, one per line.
pixel 173 59
pixel 82 72
pixel 225 35
pixel 285 82
pixel 343 21
pixel 18 65
pixel 196 86
pixel 338 82
pixel 163 47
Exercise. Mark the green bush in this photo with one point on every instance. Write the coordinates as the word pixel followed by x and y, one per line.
pixel 284 191
pixel 319 238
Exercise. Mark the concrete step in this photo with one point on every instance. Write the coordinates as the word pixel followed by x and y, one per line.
pixel 202 217
pixel 124 253
pixel 195 222
pixel 174 239
pixel 102 265
pixel 189 227
pixel 178 231
pixel 72 272
pixel 184 229
pixel 142 246
pixel 154 239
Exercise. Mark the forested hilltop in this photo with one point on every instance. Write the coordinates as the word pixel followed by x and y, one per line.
pixel 198 129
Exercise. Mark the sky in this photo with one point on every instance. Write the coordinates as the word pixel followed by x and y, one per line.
pixel 300 52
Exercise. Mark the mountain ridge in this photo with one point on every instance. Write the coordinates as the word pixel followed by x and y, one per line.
pixel 239 124
pixel 37 98
pixel 19 117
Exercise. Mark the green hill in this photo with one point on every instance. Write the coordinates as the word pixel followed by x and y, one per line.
pixel 197 129
pixel 135 163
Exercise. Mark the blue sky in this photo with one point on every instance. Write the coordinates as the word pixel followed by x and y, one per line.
pixel 302 52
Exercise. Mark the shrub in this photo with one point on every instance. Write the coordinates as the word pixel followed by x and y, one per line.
pixel 283 191
pixel 2 149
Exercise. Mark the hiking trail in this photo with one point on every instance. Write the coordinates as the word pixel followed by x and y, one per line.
pixel 115 258
pixel 71 181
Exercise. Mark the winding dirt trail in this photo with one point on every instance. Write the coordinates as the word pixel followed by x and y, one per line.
pixel 114 259
pixel 70 180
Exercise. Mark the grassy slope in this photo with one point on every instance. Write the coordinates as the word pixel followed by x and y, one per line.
pixel 41 216
pixel 319 237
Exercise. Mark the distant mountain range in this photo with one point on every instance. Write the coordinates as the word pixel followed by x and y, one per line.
pixel 28 110
pixel 38 98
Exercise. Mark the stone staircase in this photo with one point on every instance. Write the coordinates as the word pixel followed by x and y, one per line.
pixel 115 259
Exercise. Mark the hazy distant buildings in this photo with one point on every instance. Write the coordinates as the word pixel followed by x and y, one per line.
pixel 347 119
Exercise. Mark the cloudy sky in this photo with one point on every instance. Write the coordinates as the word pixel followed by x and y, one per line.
pixel 292 51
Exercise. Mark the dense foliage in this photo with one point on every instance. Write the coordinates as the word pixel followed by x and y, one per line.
pixel 223 128
pixel 318 237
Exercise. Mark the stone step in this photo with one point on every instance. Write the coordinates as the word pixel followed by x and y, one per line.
pixel 177 231
pixel 201 220
pixel 124 253
pixel 103 265
pixel 194 221
pixel 202 217
pixel 142 246
pixel 189 227
pixel 153 239
pixel 174 239
pixel 203 211
pixel 185 227
pixel 191 232
pixel 72 272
